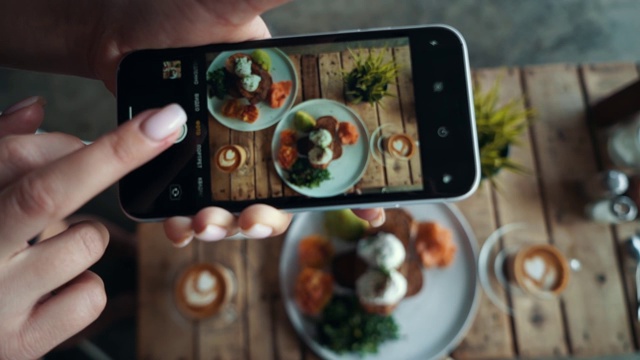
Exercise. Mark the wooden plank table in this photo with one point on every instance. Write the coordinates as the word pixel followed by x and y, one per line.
pixel 595 316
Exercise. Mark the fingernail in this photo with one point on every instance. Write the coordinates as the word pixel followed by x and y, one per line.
pixel 24 103
pixel 183 242
pixel 212 233
pixel 164 123
pixel 379 220
pixel 258 231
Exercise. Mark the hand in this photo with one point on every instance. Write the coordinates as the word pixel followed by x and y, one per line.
pixel 157 24
pixel 46 293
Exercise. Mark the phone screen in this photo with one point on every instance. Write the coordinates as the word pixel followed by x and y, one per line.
pixel 305 122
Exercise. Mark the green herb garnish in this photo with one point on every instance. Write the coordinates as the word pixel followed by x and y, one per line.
pixel 217 79
pixel 346 327
pixel 305 175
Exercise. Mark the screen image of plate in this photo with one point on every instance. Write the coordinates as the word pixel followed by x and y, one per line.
pixel 431 323
pixel 282 69
pixel 345 171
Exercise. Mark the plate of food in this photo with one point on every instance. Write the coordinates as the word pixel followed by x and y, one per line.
pixel 321 148
pixel 252 89
pixel 405 290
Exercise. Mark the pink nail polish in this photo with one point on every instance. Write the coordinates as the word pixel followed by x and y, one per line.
pixel 379 220
pixel 164 123
pixel 258 231
pixel 22 104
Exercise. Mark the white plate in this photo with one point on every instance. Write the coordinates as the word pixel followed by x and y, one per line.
pixel 431 323
pixel 282 69
pixel 345 171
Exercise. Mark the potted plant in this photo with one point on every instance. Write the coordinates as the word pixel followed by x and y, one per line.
pixel 499 127
pixel 369 79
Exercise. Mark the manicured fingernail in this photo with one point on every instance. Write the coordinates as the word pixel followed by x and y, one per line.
pixel 164 123
pixel 379 220
pixel 212 233
pixel 184 242
pixel 258 231
pixel 24 103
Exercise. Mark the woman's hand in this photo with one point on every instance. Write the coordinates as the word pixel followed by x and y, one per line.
pixel 46 292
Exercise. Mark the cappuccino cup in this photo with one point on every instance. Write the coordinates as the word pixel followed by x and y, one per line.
pixel 540 270
pixel 399 146
pixel 204 290
pixel 229 158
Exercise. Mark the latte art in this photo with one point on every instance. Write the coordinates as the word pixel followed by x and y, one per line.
pixel 230 157
pixel 400 146
pixel 202 290
pixel 539 269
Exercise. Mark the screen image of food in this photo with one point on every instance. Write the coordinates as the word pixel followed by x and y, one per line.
pixel 316 121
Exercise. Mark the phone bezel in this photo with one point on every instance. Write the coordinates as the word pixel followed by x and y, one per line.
pixel 388 199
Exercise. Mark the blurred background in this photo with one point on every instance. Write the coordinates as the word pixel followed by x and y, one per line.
pixel 498 33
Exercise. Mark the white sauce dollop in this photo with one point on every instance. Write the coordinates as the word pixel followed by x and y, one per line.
pixel 382 250
pixel 375 287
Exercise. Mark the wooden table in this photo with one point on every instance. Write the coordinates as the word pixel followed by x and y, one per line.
pixel 594 316
pixel 320 76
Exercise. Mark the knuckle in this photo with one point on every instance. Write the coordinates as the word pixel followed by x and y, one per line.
pixel 35 197
pixel 94 237
pixel 123 151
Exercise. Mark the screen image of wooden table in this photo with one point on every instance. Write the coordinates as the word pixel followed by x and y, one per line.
pixel 594 317
pixel 321 77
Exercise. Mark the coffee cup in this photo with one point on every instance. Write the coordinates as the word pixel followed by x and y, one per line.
pixel 399 146
pixel 229 158
pixel 538 269
pixel 204 290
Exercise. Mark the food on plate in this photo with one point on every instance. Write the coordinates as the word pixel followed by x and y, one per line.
pixel 261 58
pixel 303 121
pixel 247 79
pixel 304 175
pixel 348 133
pixel 347 267
pixel 412 271
pixel 321 138
pixel 315 251
pixel 217 80
pixel 434 245
pixel 345 327
pixel 345 225
pixel 382 250
pixel 279 92
pixel 328 123
pixel 399 223
pixel 287 156
pixel 313 290
pixel 203 289
pixel 320 157
pixel 288 137
pixel 380 292
pixel 236 109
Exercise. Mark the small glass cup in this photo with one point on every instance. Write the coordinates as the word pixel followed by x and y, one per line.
pixel 389 144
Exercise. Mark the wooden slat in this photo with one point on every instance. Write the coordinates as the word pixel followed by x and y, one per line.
pixel 220 185
pixel 389 113
pixel 163 333
pixel 272 336
pixel 490 336
pixel 243 181
pixel 264 163
pixel 331 84
pixel 595 308
pixel 600 81
pixel 310 77
pixel 402 56
pixel 215 338
pixel 518 200
pixel 374 174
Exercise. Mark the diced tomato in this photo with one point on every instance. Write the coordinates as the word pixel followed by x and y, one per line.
pixel 348 133
pixel 279 92
pixel 288 137
pixel 287 155
pixel 233 108
pixel 250 114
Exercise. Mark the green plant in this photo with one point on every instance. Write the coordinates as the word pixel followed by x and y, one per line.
pixel 499 127
pixel 369 79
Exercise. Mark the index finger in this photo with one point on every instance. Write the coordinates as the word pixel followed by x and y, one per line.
pixel 60 188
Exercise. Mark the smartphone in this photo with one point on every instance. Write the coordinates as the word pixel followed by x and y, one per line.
pixel 351 119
